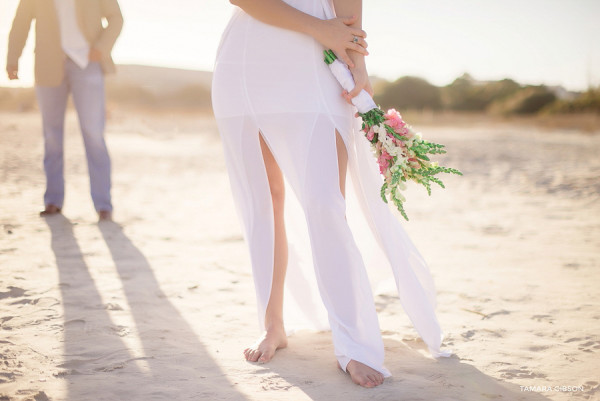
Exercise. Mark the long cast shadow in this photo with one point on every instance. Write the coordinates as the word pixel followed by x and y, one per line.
pixel 177 355
pixel 98 364
pixel 93 348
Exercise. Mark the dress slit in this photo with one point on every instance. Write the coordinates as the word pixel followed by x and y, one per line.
pixel 273 83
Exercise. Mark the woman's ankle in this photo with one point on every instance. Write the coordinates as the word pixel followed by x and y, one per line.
pixel 274 324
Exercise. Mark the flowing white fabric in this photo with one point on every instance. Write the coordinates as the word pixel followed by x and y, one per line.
pixel 273 82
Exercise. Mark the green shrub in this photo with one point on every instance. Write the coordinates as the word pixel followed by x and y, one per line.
pixel 529 100
pixel 588 101
pixel 465 94
pixel 409 93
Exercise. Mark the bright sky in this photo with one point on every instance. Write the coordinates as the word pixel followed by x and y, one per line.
pixel 534 41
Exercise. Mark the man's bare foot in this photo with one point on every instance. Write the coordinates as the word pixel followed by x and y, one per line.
pixel 104 215
pixel 263 350
pixel 49 210
pixel 363 375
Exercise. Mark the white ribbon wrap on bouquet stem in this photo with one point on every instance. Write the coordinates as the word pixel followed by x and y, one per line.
pixel 363 101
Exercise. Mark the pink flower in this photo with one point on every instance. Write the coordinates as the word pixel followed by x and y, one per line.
pixel 370 134
pixel 394 119
pixel 392 114
pixel 383 161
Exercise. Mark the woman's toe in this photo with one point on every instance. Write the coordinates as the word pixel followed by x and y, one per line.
pixel 267 356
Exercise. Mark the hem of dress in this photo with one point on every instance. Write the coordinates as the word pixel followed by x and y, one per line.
pixel 344 361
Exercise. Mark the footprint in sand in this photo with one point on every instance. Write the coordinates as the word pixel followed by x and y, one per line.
pixel 25 301
pixel 6 377
pixel 521 373
pixel 591 387
pixel 34 395
pixel 274 383
pixel 111 306
pixel 497 313
pixel 587 344
pixel 468 335
pixel 494 230
pixel 13 292
pixel 120 331
pixel 536 348
pixel 543 318
pixel 590 346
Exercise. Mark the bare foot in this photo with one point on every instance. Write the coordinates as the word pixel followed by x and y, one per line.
pixel 363 375
pixel 263 350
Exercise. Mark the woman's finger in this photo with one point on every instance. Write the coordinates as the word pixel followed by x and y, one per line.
pixel 357 48
pixel 354 92
pixel 349 20
pixel 345 58
pixel 347 97
pixel 359 33
pixel 359 41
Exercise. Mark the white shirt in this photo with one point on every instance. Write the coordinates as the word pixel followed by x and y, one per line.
pixel 73 42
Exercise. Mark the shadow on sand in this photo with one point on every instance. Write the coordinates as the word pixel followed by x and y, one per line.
pixel 415 377
pixel 157 358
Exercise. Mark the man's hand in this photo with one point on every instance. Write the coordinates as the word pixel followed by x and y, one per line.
pixel 95 54
pixel 12 71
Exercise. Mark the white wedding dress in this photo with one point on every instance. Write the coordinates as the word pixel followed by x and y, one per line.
pixel 274 82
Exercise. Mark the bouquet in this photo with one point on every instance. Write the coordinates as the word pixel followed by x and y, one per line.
pixel 401 152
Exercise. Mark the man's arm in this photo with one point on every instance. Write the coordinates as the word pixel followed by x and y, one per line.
pixel 18 37
pixel 112 13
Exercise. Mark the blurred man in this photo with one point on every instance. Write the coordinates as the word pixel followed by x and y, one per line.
pixel 72 52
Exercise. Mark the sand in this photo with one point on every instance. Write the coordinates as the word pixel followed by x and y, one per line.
pixel 160 304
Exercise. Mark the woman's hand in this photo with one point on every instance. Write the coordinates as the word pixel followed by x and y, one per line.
pixel 337 35
pixel 361 77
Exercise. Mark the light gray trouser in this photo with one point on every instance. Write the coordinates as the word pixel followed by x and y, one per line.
pixel 87 87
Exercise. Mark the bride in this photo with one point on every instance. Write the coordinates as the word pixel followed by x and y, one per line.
pixel 281 114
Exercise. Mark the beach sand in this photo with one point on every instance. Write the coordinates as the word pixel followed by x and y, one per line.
pixel 160 304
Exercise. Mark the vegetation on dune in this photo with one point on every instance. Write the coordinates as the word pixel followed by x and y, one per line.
pixel 504 97
pixel 465 94
pixel 588 101
pixel 409 93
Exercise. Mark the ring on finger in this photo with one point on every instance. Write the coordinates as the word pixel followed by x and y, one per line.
pixel 355 40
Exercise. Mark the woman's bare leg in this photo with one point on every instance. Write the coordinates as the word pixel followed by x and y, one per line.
pixel 274 337
pixel 360 373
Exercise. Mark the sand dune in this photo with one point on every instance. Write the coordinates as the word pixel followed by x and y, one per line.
pixel 160 79
pixel 160 304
